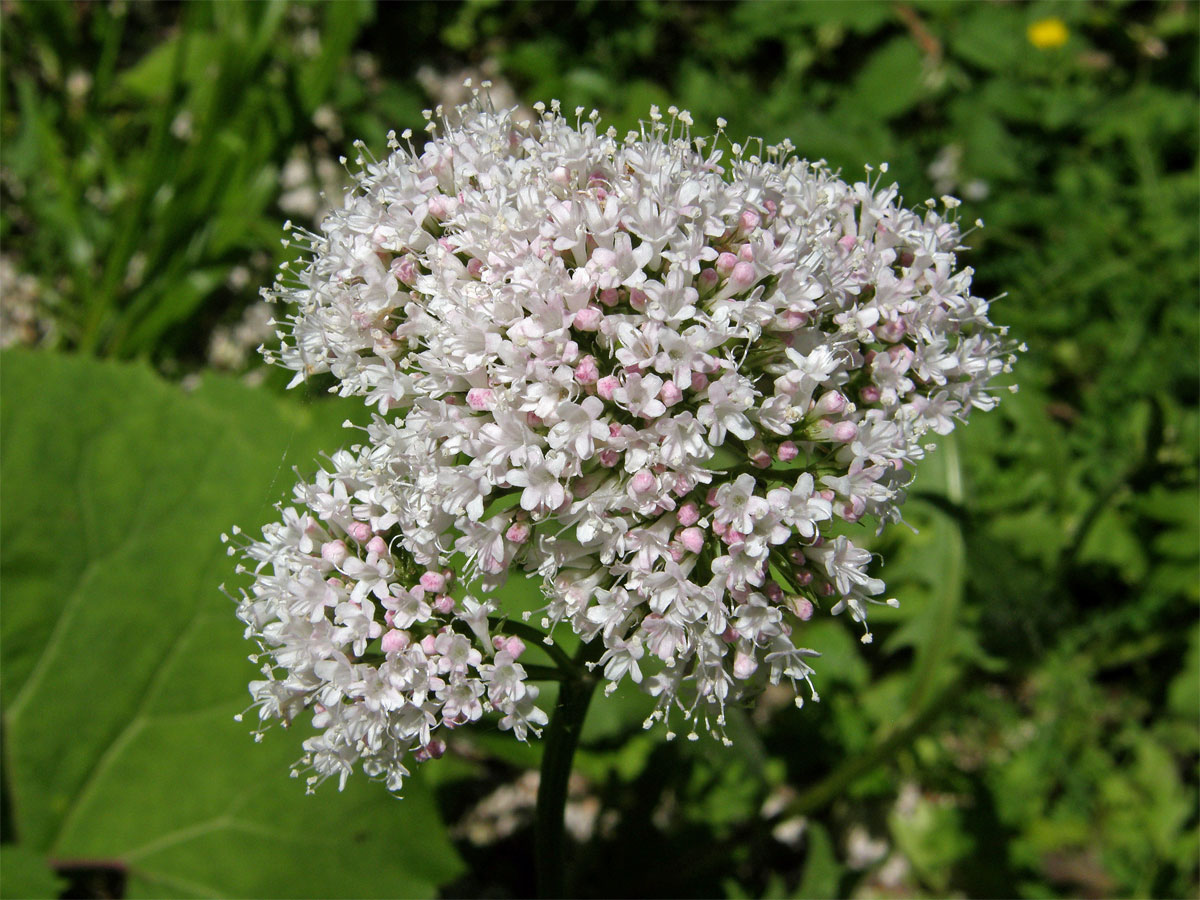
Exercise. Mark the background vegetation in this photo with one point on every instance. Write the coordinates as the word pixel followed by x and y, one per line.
pixel 1026 724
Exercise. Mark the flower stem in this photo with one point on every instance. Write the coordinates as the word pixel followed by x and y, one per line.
pixel 562 737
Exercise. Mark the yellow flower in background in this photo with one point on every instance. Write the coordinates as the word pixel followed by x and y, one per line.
pixel 1046 34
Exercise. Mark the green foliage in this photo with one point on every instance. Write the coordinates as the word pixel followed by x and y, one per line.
pixel 1025 723
pixel 123 665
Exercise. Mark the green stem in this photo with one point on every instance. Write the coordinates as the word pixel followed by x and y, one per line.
pixel 562 737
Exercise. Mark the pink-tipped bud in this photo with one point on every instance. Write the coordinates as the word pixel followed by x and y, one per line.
pixel 733 536
pixel 830 404
pixel 682 485
pixel 405 271
pixel 804 578
pixel 827 495
pixel 708 278
pixel 729 635
pixel 847 243
pixel 797 556
pixel 533 420
pixel 498 642
pixel 377 545
pixel 360 531
pixel 759 457
pixel 844 432
pixel 787 451
pixel 744 665
pixel 720 528
pixel 643 481
pixel 670 394
pixel 480 399
pixel 518 532
pixel 803 608
pixel 746 253
pixel 688 514
pixel 605 386
pixel 890 331
pixel 589 318
pixel 637 299
pixel 334 552
pixel 711 497
pixel 692 539
pixel 773 591
pixel 610 297
pixel 608 458
pixel 561 176
pixel 743 275
pixel 395 640
pixel 444 604
pixel 429 644
pixel 515 646
pixel 749 220
pixel 725 264
pixel 474 267
pixel 434 582
pixel 570 352
pixel 869 394
pixel 825 589
pixel 675 551
pixel 587 372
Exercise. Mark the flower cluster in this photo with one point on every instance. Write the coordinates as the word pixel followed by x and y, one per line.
pixel 655 370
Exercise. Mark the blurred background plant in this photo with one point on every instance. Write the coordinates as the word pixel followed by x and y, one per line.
pixel 1026 723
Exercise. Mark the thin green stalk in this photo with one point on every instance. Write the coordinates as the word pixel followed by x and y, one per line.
pixel 562 737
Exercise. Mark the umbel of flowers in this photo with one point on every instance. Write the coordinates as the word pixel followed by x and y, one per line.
pixel 653 369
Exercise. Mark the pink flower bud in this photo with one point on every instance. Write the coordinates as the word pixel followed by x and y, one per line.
pixel 869 394
pixel 759 456
pixel 830 404
pixel 689 514
pixel 749 220
pixel 518 532
pixel 827 495
pixel 787 451
pixel 803 608
pixel 334 552
pixel 377 545
pixel 746 253
pixel 743 275
pixel 434 582
pixel 610 297
pixel 360 531
pixel 699 381
pixel 844 432
pixel 825 589
pixel 725 263
pixel 605 387
pixel 589 318
pixel 587 372
pixel 890 331
pixel 692 539
pixel 480 399
pixel 804 578
pixel 444 604
pixel 643 481
pixel 474 267
pixel 608 458
pixel 515 646
pixel 429 644
pixel 773 591
pixel 708 279
pixel 711 497
pixel 797 556
pixel 637 299
pixel 395 641
pixel 670 394
pixel 744 665
pixel 405 271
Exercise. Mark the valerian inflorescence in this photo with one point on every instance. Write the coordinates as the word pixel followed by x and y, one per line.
pixel 655 370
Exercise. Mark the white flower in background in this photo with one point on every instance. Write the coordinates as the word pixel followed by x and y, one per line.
pixel 653 370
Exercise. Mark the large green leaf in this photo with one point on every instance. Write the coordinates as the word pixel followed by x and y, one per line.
pixel 124 664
